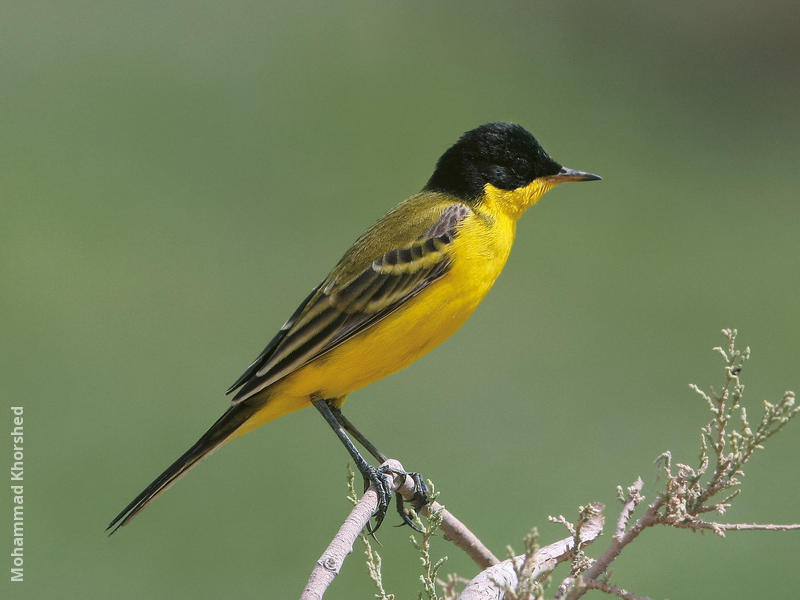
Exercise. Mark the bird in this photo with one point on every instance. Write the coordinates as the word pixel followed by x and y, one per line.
pixel 405 285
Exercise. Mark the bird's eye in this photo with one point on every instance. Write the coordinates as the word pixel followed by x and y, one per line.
pixel 520 167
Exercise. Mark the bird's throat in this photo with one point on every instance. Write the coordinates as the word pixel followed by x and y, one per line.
pixel 515 202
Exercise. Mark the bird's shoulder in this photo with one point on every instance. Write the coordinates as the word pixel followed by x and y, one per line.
pixel 423 215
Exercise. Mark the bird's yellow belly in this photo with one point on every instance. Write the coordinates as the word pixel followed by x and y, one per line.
pixel 391 345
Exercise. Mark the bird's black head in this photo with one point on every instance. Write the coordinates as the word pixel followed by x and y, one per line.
pixel 504 155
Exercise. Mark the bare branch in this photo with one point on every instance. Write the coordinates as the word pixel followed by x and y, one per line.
pixel 606 587
pixel 454 530
pixel 492 583
pixel 720 528
pixel 331 561
pixel 600 566
pixel 632 500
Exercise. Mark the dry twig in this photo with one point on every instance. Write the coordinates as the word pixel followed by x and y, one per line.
pixel 690 491
pixel 493 583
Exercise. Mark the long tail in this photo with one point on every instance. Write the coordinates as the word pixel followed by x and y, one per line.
pixel 212 439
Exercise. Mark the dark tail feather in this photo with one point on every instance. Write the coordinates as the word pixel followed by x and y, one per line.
pixel 229 422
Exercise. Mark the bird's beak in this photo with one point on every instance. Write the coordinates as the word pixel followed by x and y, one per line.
pixel 567 174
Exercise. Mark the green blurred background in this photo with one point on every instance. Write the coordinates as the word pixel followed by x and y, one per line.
pixel 176 176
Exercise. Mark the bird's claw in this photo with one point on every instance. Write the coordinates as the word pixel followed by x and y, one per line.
pixel 377 476
pixel 418 501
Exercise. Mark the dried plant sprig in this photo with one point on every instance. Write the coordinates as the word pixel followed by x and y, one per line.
pixel 427 526
pixel 450 586
pixel 691 491
pixel 525 586
pixel 500 578
pixel 727 442
pixel 579 561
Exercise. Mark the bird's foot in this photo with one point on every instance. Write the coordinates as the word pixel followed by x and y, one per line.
pixel 377 476
pixel 418 501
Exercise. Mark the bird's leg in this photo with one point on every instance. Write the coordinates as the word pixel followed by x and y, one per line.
pixel 369 446
pixel 420 498
pixel 371 474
